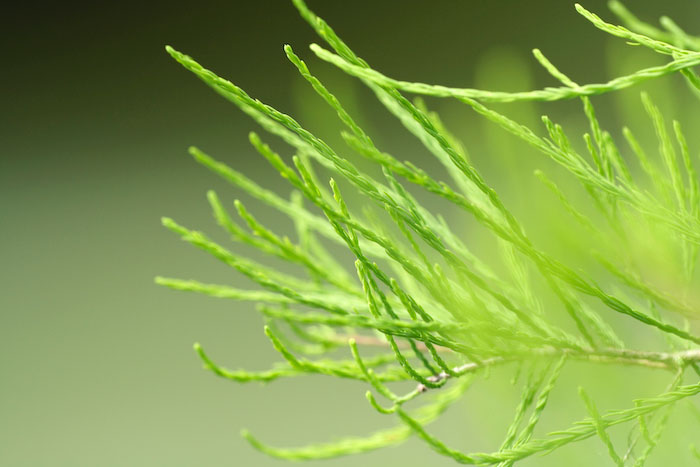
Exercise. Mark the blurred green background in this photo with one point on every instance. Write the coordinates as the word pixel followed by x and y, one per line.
pixel 96 362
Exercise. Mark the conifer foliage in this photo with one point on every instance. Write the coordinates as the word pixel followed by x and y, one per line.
pixel 423 303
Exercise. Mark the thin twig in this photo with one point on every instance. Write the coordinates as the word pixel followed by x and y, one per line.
pixel 661 360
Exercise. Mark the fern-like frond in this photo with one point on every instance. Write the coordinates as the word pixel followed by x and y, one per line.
pixel 438 304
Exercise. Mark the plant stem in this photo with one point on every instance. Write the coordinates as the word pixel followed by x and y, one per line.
pixel 661 360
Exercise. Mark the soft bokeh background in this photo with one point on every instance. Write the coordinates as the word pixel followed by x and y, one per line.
pixel 96 363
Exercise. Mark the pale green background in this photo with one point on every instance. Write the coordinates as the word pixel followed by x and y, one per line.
pixel 96 365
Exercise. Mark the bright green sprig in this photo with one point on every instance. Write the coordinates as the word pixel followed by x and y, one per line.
pixel 266 277
pixel 541 403
pixel 526 400
pixel 652 438
pixel 687 60
pixel 624 33
pixel 222 291
pixel 380 439
pixel 344 369
pixel 570 276
pixel 363 321
pixel 582 430
pixel 426 299
pixel 600 427
pixel 635 24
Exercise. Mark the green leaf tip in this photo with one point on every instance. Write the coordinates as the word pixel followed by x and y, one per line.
pixel 160 280
pixel 252 440
pixel 258 445
pixel 254 138
pixel 174 53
